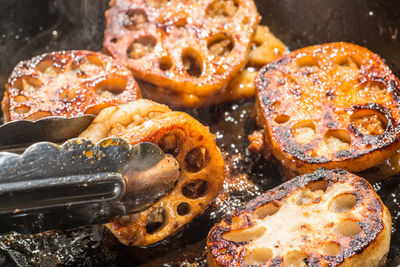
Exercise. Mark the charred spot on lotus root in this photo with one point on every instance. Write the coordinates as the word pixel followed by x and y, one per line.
pixel 196 159
pixel 347 228
pixel 369 122
pixel 304 132
pixel 172 141
pixel 220 44
pixel 22 109
pixel 156 220
pixel 257 256
pixel 342 203
pixel 135 19
pixel 110 87
pixel 331 249
pixel 295 258
pixel 47 68
pixel 244 235
pixel 307 64
pixel 268 209
pixel 157 3
pixel 281 118
pixel 27 84
pixel 183 209
pixel 195 189
pixel 165 63
pixel 224 9
pixel 192 62
pixel 142 47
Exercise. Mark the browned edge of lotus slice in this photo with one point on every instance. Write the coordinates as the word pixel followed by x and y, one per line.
pixel 66 83
pixel 327 218
pixel 201 166
pixel 193 48
pixel 333 105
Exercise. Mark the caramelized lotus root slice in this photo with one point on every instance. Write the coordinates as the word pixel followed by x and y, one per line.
pixel 328 218
pixel 264 49
pixel 191 48
pixel 193 146
pixel 66 83
pixel 332 105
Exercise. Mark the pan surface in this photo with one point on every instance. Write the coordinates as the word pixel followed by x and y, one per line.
pixel 28 28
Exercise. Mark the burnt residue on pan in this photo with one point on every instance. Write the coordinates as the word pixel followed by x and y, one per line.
pixel 28 29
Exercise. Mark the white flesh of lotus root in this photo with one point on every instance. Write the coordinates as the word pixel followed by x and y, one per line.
pixel 332 218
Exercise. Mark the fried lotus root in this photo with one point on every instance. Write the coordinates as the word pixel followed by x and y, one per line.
pixel 191 49
pixel 264 49
pixel 193 146
pixel 66 83
pixel 328 218
pixel 332 105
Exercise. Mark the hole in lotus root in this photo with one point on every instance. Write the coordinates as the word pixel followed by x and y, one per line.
pixel 157 3
pixel 67 94
pixel 183 209
pixel 195 189
pixel 27 84
pixel 220 44
pixel 343 202
pixel 165 63
pixel 196 159
pixel 38 115
pixel 304 132
pixel 312 193
pixel 111 87
pixel 141 47
pixel 369 122
pixel 192 62
pixel 337 140
pixel 20 98
pixel 257 256
pixel 307 63
pixel 172 141
pixel 85 67
pixel 347 228
pixel 316 186
pixel 135 19
pixel 281 118
pixel 244 235
pixel 295 259
pixel 155 220
pixel 348 62
pixel 266 210
pixel 222 9
pixel 22 109
pixel 47 68
pixel 331 249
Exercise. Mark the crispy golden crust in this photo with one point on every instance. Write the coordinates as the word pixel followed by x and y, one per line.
pixel 193 146
pixel 328 218
pixel 66 83
pixel 190 48
pixel 264 49
pixel 332 105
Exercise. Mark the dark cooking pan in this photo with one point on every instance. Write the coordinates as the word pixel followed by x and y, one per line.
pixel 31 27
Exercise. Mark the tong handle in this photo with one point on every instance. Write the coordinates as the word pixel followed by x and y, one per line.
pixel 67 191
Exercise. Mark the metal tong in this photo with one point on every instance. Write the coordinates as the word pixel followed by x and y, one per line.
pixel 78 183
